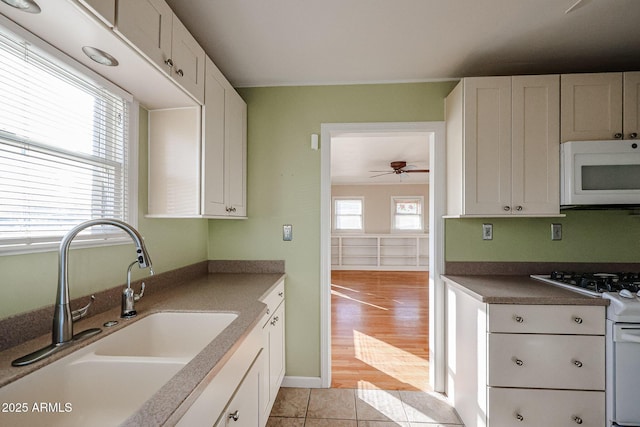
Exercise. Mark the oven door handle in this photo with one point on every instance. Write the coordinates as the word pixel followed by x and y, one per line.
pixel 629 337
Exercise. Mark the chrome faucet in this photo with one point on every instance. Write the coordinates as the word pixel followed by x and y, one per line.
pixel 63 317
pixel 129 297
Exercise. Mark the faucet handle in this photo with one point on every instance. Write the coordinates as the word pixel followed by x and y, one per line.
pixel 82 312
pixel 140 295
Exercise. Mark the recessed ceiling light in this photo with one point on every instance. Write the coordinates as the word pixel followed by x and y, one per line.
pixel 24 5
pixel 99 56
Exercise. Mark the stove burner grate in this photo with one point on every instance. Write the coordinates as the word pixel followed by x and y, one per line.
pixel 599 282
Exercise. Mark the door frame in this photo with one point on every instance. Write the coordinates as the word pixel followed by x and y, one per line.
pixel 436 139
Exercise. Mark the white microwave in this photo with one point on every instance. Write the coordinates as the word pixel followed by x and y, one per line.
pixel 600 173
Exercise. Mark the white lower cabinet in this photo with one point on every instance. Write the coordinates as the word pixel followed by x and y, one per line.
pixel 525 365
pixel 273 343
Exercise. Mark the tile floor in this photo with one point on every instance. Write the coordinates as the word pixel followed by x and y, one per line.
pixel 303 407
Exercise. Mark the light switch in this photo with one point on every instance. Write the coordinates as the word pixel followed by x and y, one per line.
pixel 556 231
pixel 287 232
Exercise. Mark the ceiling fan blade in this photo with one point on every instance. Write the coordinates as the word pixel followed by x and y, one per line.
pixel 380 174
pixel 416 170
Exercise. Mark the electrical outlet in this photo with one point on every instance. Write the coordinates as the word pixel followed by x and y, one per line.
pixel 556 231
pixel 487 231
pixel 287 232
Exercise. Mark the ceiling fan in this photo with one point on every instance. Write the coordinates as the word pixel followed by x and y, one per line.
pixel 399 168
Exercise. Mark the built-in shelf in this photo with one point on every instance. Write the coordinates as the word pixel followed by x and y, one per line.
pixel 380 252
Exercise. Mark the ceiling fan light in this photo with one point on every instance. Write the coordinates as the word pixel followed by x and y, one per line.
pixel 29 6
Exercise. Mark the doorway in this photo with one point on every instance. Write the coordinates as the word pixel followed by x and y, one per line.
pixel 434 136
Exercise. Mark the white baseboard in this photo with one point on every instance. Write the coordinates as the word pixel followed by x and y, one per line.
pixel 302 382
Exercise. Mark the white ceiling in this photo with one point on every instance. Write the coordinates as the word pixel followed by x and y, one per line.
pixel 298 42
pixel 358 158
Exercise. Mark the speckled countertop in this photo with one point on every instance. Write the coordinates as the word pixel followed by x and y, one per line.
pixel 518 290
pixel 232 292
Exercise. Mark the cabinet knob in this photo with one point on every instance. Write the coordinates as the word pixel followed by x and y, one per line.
pixel 180 73
pixel 519 417
pixel 578 320
pixel 519 208
pixel 518 362
pixel 577 420
pixel 235 416
pixel 617 135
pixel 168 62
pixel 506 208
pixel 281 293
pixel 633 135
pixel 577 363
pixel 518 319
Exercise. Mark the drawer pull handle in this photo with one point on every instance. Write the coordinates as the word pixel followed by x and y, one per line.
pixel 577 363
pixel 518 362
pixel 578 320
pixel 519 417
pixel 577 420
pixel 234 416
pixel 518 319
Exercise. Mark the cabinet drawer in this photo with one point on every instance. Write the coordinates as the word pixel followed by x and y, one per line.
pixel 547 319
pixel 546 361
pixel 558 408
pixel 274 298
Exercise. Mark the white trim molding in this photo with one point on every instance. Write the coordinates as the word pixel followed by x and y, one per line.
pixel 435 137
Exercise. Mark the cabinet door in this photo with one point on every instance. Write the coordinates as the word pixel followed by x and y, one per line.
pixel 188 60
pixel 631 105
pixel 243 409
pixel 276 351
pixel 236 152
pixel 535 145
pixel 213 153
pixel 147 25
pixel 487 136
pixel 591 106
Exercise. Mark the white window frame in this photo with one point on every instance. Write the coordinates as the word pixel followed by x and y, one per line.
pixel 393 228
pixel 118 237
pixel 334 216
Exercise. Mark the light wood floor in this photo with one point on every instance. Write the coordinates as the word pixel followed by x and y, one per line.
pixel 379 324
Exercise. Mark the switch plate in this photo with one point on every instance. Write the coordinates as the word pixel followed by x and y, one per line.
pixel 287 232
pixel 487 231
pixel 556 231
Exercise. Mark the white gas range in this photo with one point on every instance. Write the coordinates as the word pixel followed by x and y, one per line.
pixel 622 336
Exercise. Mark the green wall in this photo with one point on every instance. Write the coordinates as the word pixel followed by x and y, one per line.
pixel 29 281
pixel 587 236
pixel 284 187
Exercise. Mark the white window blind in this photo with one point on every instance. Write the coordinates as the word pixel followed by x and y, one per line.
pixel 63 150
pixel 407 213
pixel 348 214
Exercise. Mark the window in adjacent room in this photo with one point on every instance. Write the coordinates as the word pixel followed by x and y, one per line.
pixel 65 154
pixel 406 214
pixel 348 214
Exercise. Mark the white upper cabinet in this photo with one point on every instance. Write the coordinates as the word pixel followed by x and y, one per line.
pixel 152 28
pixel 224 148
pixel 197 156
pixel 502 146
pixel 600 106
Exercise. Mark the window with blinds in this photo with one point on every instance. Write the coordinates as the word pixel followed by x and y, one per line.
pixel 406 214
pixel 348 214
pixel 63 150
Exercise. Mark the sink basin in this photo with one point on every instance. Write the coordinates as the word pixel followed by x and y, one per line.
pixel 85 392
pixel 166 334
pixel 105 382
